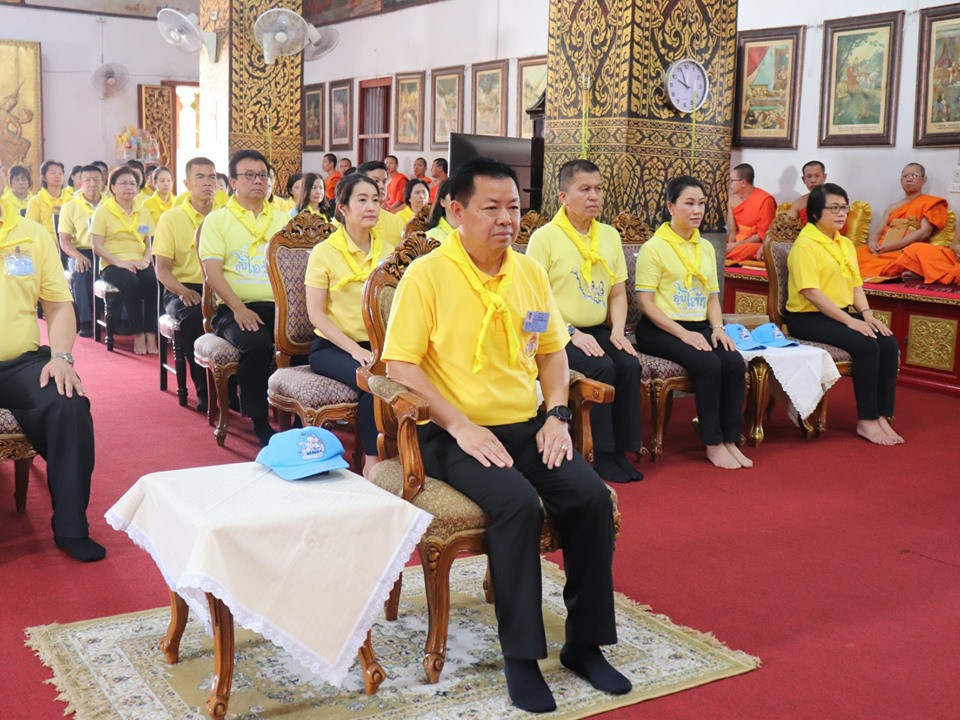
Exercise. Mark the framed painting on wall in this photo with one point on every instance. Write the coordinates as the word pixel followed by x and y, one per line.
pixel 767 105
pixel 490 98
pixel 861 66
pixel 311 115
pixel 531 82
pixel 21 115
pixel 447 116
pixel 937 120
pixel 341 115
pixel 408 112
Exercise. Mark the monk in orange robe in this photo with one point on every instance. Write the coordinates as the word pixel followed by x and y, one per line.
pixel 751 212
pixel 933 263
pixel 813 175
pixel 333 176
pixel 395 184
pixel 914 219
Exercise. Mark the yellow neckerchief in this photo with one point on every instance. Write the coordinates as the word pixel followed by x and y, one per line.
pixel 8 221
pixel 832 246
pixel 492 300
pixel 54 203
pixel 445 227
pixel 15 202
pixel 164 206
pixel 87 206
pixel 128 223
pixel 665 232
pixel 341 241
pixel 591 256
pixel 196 217
pixel 259 227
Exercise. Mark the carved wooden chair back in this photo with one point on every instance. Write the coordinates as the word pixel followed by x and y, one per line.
pixel 419 222
pixel 531 221
pixel 775 254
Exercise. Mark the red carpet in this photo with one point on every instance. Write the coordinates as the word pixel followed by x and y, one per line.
pixel 836 562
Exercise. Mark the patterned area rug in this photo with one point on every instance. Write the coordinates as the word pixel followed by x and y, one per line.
pixel 110 668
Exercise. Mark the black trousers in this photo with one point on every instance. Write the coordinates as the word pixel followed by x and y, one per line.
pixel 718 378
pixel 334 362
pixel 579 504
pixel 191 328
pixel 256 355
pixel 61 430
pixel 875 361
pixel 81 283
pixel 138 295
pixel 616 427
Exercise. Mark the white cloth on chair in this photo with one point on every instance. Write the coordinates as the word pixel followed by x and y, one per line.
pixel 805 373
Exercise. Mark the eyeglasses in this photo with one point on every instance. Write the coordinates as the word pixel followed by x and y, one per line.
pixel 910 176
pixel 250 176
pixel 837 209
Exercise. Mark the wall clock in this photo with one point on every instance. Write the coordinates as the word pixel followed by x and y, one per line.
pixel 686 85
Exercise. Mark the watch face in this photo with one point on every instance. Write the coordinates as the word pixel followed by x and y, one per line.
pixel 686 85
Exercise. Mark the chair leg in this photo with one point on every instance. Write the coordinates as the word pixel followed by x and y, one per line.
pixel 223 400
pixel 108 325
pixel 821 417
pixel 180 368
pixel 162 355
pixel 213 401
pixel 488 585
pixel 659 412
pixel 392 606
pixel 21 471
pixel 756 399
pixel 170 643
pixel 436 580
pixel 98 310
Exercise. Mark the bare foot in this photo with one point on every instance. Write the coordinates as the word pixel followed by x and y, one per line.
pixel 139 344
pixel 872 430
pixel 888 429
pixel 737 455
pixel 721 457
pixel 152 347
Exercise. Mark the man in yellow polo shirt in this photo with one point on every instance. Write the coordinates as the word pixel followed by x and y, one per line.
pixel 472 328
pixel 38 384
pixel 75 219
pixel 233 245
pixel 178 266
pixel 588 273
pixel 389 226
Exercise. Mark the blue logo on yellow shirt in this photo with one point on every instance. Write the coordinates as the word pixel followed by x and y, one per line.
pixel 254 268
pixel 595 292
pixel 689 299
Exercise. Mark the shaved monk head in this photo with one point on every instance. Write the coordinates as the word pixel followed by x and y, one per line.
pixel 912 178
pixel 814 174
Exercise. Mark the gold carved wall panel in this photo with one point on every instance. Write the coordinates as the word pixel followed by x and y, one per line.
pixel 932 342
pixel 156 117
pixel 750 303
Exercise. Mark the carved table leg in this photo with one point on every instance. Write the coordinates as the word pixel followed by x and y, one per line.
pixel 373 673
pixel 170 644
pixel 223 648
pixel 759 376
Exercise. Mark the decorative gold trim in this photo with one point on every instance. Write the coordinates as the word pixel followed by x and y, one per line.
pixel 884 316
pixel 745 303
pixel 932 342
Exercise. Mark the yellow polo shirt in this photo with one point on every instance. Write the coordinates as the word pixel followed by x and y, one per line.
pixel 389 227
pixel 42 206
pixel 435 323
pixel 811 264
pixel 157 206
pixel 284 205
pixel 441 231
pixel 118 241
pixel 405 214
pixel 582 303
pixel 327 266
pixel 75 219
pixel 175 239
pixel 220 199
pixel 19 293
pixel 661 271
pixel 16 203
pixel 141 197
pixel 226 239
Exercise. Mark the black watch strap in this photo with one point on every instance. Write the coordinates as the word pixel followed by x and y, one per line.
pixel 561 412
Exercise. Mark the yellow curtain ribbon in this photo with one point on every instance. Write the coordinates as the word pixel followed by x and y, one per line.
pixel 492 301
pixel 591 256
pixel 128 223
pixel 257 229
pixel 832 246
pixel 360 272
pixel 676 242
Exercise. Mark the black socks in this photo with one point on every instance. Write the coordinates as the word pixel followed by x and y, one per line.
pixel 263 431
pixel 614 467
pixel 82 549
pixel 635 475
pixel 588 661
pixel 528 690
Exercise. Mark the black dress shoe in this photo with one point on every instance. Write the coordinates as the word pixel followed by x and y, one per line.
pixel 202 406
pixel 85 330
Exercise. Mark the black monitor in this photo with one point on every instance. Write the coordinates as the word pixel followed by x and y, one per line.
pixel 515 152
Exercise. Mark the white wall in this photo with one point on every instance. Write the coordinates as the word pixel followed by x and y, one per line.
pixel 78 126
pixel 455 32
pixel 867 173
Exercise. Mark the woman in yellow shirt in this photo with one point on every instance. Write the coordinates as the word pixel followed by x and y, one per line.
pixel 46 204
pixel 311 196
pixel 416 194
pixel 826 303
pixel 336 272
pixel 120 233
pixel 294 188
pixel 18 195
pixel 679 297
pixel 162 198
pixel 442 222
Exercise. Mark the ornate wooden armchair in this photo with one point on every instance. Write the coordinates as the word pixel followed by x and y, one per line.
pixel 419 222
pixel 316 400
pixel 170 337
pixel 528 224
pixel 784 208
pixel 459 525
pixel 15 446
pixel 105 305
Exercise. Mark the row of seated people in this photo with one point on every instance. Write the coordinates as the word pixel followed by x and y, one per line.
pixel 913 239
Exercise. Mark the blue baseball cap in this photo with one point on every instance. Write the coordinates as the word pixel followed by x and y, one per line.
pixel 771 336
pixel 742 337
pixel 302 452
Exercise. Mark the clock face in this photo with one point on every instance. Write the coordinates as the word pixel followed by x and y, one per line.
pixel 686 85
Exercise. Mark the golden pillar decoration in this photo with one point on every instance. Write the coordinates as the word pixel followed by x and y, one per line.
pixel 251 104
pixel 619 49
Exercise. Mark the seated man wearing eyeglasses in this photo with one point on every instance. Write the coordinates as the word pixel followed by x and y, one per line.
pixel 233 245
pixel 914 219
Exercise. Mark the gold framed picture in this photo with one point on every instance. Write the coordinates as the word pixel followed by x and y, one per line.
pixel 937 119
pixel 531 82
pixel 408 111
pixel 21 111
pixel 311 115
pixel 490 98
pixel 447 116
pixel 341 115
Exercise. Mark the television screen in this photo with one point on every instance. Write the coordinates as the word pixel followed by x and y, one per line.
pixel 515 152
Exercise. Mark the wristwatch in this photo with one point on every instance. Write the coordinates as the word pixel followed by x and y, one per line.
pixel 561 413
pixel 571 330
pixel 65 356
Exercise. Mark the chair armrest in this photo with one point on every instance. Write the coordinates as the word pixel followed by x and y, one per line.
pixel 584 394
pixel 410 410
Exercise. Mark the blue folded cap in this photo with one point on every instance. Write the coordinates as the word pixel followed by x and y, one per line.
pixel 771 336
pixel 742 337
pixel 302 452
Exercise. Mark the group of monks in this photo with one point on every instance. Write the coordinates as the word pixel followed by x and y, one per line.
pixel 898 246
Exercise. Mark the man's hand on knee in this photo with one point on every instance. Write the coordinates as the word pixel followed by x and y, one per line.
pixel 481 444
pixel 554 443
pixel 247 319
pixel 63 375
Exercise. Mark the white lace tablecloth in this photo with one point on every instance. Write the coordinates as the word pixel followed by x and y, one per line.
pixel 307 564
pixel 804 373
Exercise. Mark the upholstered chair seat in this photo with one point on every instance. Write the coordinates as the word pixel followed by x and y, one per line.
pixel 15 446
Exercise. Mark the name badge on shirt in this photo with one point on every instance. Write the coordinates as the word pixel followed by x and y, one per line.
pixel 536 322
pixel 18 264
pixel 143 229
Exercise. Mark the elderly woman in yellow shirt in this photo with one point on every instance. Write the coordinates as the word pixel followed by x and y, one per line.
pixel 826 304
pixel 679 297
pixel 336 272
pixel 416 194
pixel 162 198
pixel 52 196
pixel 311 196
pixel 18 195
pixel 120 232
